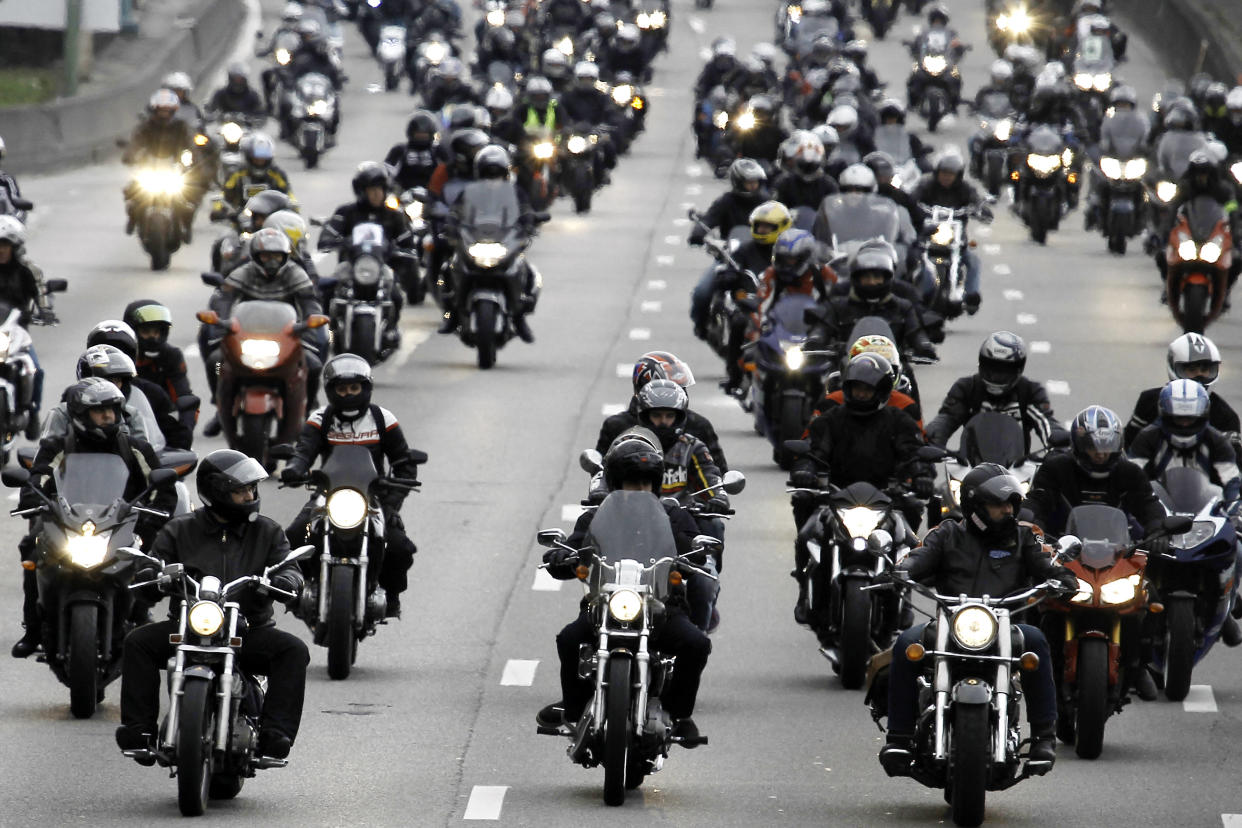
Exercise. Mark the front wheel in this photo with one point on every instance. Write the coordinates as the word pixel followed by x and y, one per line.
pixel 970 753
pixel 1195 301
pixel 83 661
pixel 225 786
pixel 1092 697
pixel 194 730
pixel 790 428
pixel 158 233
pixel 1039 230
pixel 1179 647
pixel 584 187
pixel 341 639
pixel 485 334
pixel 616 729
pixel 253 438
pixel 362 338
pixel 855 637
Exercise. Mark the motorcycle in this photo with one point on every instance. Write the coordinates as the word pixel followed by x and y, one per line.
pixel 944 244
pixel 346 604
pixel 652 19
pixel 418 206
pixel 1042 179
pixel 261 393
pixel 1013 24
pixel 210 734
pixel 577 169
pixel 424 56
pixel 1198 257
pixel 937 74
pixel 17 373
pixel 729 311
pixel 162 192
pixel 14 206
pixel 390 51
pixel 629 573
pixel 82 579
pixel 537 172
pixel 1192 583
pixel 232 128
pixel 990 144
pixel 362 309
pixel 630 118
pixel 312 109
pixel 1092 73
pixel 1122 181
pixel 880 16
pixel 988 437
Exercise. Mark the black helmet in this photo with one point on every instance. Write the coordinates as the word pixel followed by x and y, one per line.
pixel 881 164
pixel 463 117
pixel 661 395
pixel 647 369
pixel 492 163
pixel 634 455
pixel 743 172
pixel 107 362
pixel 867 383
pixel 1002 358
pixel 421 130
pixel 343 369
pixel 938 14
pixel 1200 165
pixel 464 145
pixel 270 240
pixel 871 260
pixel 1180 114
pixel 147 313
pixel 223 472
pixel 89 393
pixel 261 205
pixel 892 108
pixel 369 174
pixel 1096 428
pixel 990 485
pixel 950 161
pixel 116 333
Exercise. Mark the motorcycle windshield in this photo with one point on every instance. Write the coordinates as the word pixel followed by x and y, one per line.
pixel 1103 530
pixel 995 105
pixel 91 479
pixel 860 494
pixel 871 326
pixel 787 315
pixel 1175 150
pixel 349 467
pixel 631 525
pixel 992 437
pixel 1203 213
pixel 935 42
pixel 861 216
pixel 894 140
pixel 367 239
pixel 314 86
pixel 1186 490
pixel 1045 140
pixel 489 208
pixel 261 317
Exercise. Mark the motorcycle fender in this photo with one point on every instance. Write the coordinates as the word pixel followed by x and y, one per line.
pixel 259 401
pixel 967 693
pixel 200 671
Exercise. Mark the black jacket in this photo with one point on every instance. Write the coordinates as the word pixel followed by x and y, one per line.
pixel 337 230
pixel 961 194
pixel 839 315
pixel 726 212
pixel 410 166
pixel 696 425
pixel 955 561
pixel 1027 402
pixel 684 530
pixel 158 139
pixel 167 370
pixel 1146 409
pixel 794 191
pixel 589 106
pixel 176 433
pixel 1060 484
pixel 1212 454
pixel 228 100
pixel 208 547
pixel 876 448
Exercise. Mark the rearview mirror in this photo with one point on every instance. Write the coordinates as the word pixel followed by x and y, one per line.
pixel 299 553
pixel 416 457
pixel 1068 547
pixel 734 482
pixel 14 478
pixel 591 461
pixel 931 454
pixel 129 553
pixel 550 537
pixel 708 543
pixel 211 279
pixel 162 478
pixel 188 403
pixel 1059 438
pixel 56 285
pixel 23 204
pixel 1177 524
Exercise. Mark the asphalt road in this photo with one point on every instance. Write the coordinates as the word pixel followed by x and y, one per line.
pixel 436 723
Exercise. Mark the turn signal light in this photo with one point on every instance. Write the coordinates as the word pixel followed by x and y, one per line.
pixel 915 652
pixel 175 638
pixel 235 642
pixel 1155 606
pixel 582 572
pixel 1073 178
pixel 208 317
pixel 29 566
pixel 1029 662
pixel 675 578
pixel 1013 176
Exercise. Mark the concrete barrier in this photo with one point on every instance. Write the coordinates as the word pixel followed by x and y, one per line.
pixel 84 130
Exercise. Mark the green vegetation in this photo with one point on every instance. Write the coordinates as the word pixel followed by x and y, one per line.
pixel 27 86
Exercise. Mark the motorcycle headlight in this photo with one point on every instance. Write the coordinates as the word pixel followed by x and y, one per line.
pixel 621 94
pixel 1004 128
pixel 187 158
pixel 746 120
pixel 1211 250
pixel 1166 191
pixel 1111 167
pixel 282 57
pixel 543 150
pixel 1084 594
pixel 1019 22
pixel 565 46
pixel 955 490
pixel 1083 80
pixel 943 235
pixel 1236 171
pixel 625 605
pixel 317 108
pixel 259 354
pixel 496 17
pixel 367 271
pixel 576 144
pixel 414 210
pixel 1002 22
pixel 642 20
pixel 1043 164
pixel 1120 591
pixel 486 254
pixel 1102 81
pixel 1201 531
pixel 1067 157
pixel 795 13
pixel 206 618
pixel 87 549
pixel 794 358
pixel 435 52
pixel 1135 169
pixel 935 64
pixel 161 182
pixel 720 119
pixel 231 132
pixel 860 521
pixel 1024 486
pixel 974 628
pixel 347 508
pixel 657 19
pixel 1187 250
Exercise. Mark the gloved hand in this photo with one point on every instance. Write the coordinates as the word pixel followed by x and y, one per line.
pixel 695 240
pixel 924 349
pixel 559 557
pixel 146 572
pixel 1157 546
pixel 923 487
pixel 1068 586
pixel 289 582
pixel 292 474
pixel 804 479
pixel 985 214
pixel 720 503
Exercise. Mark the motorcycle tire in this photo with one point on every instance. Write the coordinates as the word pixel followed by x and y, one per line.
pixel 1039 231
pixel 855 638
pixel 157 232
pixel 1092 697
pixel 362 339
pixel 1179 647
pixel 1117 244
pixel 935 111
pixel 82 664
pixel 1195 301
pixel 225 786
pixel 970 754
pixel 414 285
pixel 310 157
pixel 790 427
pixel 485 334
pixel 617 729
pixel 391 81
pixel 253 437
pixel 584 188
pixel 195 726
pixel 342 643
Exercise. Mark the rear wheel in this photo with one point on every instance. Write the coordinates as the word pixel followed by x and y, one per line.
pixel 1179 647
pixel 1092 697
pixel 1194 308
pixel 341 639
pixel 616 729
pixel 855 637
pixel 194 729
pixel 485 334
pixel 970 754
pixel 1039 230
pixel 1117 244
pixel 583 189
pixel 253 437
pixel 83 661
pixel 157 235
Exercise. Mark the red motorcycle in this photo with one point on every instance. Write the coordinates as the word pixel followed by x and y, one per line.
pixel 1198 256
pixel 261 393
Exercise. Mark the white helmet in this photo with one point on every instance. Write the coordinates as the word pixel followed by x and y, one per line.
pixel 498 97
pixel 1001 71
pixel 1192 348
pixel 12 231
pixel 843 119
pixel 1234 99
pixel 585 69
pixel 178 82
pixel 164 99
pixel 292 12
pixel 857 177
pixel 827 136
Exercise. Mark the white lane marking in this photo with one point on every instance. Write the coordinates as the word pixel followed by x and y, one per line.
pixel 518 673
pixel 624 369
pixel 1059 387
pixel 374 88
pixel 1041 347
pixel 545 582
pixel 983 230
pixel 693 189
pixel 1001 270
pixel 991 249
pixel 570 512
pixel 1231 820
pixel 411 339
pixel 656 284
pixel 694 170
pixel 687 205
pixel 1027 319
pixel 485 802
pixel 651 306
pixel 681 222
pixel 673 240
pixel 665 261
pixel 1013 295
pixel 1200 699
pixel 191 351
pixel 608 409
pixel 640 333
pixel 697 24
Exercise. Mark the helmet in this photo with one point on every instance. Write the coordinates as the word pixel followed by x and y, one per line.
pixel 291 12
pixel 1214 98
pixel 422 129
pixel 178 82
pixel 792 254
pixel 491 162
pixel 883 346
pixel 116 333
pixel 743 172
pixel 881 165
pixel 450 68
pixel 1180 114
pixel 165 100
pixel 807 155
pixel 1217 151
pixel 678 371
pixel 259 150
pixel 761 105
pixel 1195 352
pixel 109 363
pixel 663 395
pixel 647 368
pixel 223 472
pixel 261 205
pixel 90 393
pixel 1198 86
pixel 585 70
pixel 843 119
pixel 539 85
pixel 892 108
pixel 765 51
pixel 871 260
pixel 989 484
pixel 627 36
pixel 768 221
pixel 856 50
pixel 1183 407
pixel 1233 103
pixel 950 161
pixel 939 13
pixel 1002 358
pixel 289 223
pixel 867 383
pixel 309 30
pixel 1001 72
pixel 634 455
pixel 269 240
pixel 1201 163
pixel 343 369
pixel 724 47
pixel 1123 93
pixel 1096 429
pixel 151 315
pixel 857 178
pixel 12 231
pixel 465 145
pixel 498 99
pixel 369 174
pixel 555 64
pixel 237 69
pixel 828 136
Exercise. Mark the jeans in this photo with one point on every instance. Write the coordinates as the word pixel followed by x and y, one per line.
pixel 701 297
pixel 36 388
pixel 1040 689
pixel 701 593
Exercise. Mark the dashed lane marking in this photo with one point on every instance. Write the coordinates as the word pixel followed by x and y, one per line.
pixel 651 306
pixel 697 24
pixel 694 189
pixel 1027 319
pixel 983 231
pixel 608 409
pixel 640 333
pixel 694 170
pixel 1001 270
pixel 665 261
pixel 624 369
pixel 518 673
pixel 1059 387
pixel 411 339
pixel 687 205
pixel 1013 295
pixel 1231 820
pixel 991 249
pixel 15 496
pixel 656 284
pixel 485 802
pixel 1200 699
pixel 673 240
pixel 545 582
pixel 1041 347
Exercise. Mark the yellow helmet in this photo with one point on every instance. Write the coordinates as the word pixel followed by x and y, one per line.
pixel 881 345
pixel 290 223
pixel 775 216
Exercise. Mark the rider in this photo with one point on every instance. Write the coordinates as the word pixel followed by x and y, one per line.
pixel 638 466
pixel 946 186
pixel 158 361
pixel 22 288
pixel 760 140
pixel 372 204
pixel 805 184
pixel 1203 178
pixel 412 163
pixel 1183 437
pixel 1125 129
pixel 1191 356
pixel 237 95
pixel 448 85
pixel 259 172
pixel 163 427
pixel 987 552
pixel 161 136
pixel 998 386
pixel 227 539
pixel 937 22
pixel 9 189
pixel 351 419
pixel 905 394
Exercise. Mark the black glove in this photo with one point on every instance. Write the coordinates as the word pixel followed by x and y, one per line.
pixel 924 487
pixel 1157 546
pixel 292 474
pixel 804 479
pixel 146 572
pixel 695 240
pixel 559 557
pixel 289 582
pixel 718 504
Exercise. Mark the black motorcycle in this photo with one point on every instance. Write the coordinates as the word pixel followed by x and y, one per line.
pixel 577 167
pixel 1042 178
pixel 362 310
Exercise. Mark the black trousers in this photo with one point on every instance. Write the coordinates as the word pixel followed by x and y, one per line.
pixel 676 636
pixel 279 655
